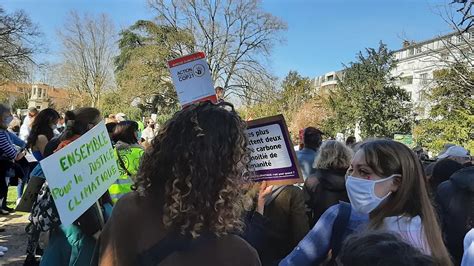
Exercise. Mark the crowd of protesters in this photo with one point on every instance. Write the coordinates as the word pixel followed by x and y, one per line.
pixel 184 196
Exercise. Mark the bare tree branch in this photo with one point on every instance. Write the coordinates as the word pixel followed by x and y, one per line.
pixel 237 36
pixel 88 49
pixel 19 41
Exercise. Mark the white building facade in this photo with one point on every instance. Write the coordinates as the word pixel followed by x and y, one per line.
pixel 416 63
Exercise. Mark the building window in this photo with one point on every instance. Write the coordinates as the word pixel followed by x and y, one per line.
pixel 406 80
pixel 418 50
pixel 471 35
pixel 411 51
pixel 459 39
pixel 330 78
pixel 424 79
pixel 444 56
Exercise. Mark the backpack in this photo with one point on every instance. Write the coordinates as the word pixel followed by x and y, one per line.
pixel 44 215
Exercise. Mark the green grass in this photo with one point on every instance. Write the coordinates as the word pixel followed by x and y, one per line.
pixel 11 198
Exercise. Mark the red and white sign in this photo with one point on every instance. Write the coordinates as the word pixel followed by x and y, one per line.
pixel 192 78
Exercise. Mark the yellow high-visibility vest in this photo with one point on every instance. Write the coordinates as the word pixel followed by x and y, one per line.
pixel 131 159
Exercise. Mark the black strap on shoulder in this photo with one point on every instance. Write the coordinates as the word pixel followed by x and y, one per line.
pixel 339 227
pixel 172 242
pixel 274 194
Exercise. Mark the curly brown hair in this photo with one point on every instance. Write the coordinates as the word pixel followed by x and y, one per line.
pixel 198 160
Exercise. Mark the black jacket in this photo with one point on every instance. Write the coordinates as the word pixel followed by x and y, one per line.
pixel 326 187
pixel 455 199
pixel 282 226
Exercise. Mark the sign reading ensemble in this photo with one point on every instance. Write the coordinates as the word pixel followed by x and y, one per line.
pixel 80 173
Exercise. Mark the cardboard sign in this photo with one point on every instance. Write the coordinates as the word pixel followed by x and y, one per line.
pixel 272 155
pixel 31 194
pixel 192 79
pixel 80 173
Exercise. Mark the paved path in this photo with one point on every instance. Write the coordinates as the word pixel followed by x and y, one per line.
pixel 14 238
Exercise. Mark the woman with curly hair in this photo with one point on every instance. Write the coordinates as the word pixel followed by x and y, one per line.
pixel 187 202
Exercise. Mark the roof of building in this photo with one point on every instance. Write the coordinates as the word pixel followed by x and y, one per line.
pixel 440 37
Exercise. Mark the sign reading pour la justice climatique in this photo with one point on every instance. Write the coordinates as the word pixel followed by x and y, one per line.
pixel 80 173
pixel 192 78
pixel 272 156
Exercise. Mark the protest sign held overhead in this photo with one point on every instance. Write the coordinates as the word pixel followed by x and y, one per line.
pixel 272 156
pixel 80 173
pixel 192 78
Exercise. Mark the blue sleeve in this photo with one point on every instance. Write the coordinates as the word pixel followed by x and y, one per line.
pixel 6 146
pixel 315 245
pixel 16 140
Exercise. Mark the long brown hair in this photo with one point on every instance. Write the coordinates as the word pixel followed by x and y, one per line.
pixel 387 157
pixel 197 162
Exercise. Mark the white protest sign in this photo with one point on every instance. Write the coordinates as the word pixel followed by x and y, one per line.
pixel 80 173
pixel 272 157
pixel 192 78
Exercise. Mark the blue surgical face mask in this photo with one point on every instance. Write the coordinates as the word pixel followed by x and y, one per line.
pixel 139 135
pixel 361 193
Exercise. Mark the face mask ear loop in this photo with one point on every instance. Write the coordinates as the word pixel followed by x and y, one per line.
pixel 384 180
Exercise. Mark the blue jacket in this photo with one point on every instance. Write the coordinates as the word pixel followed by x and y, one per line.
pixel 314 247
pixel 306 159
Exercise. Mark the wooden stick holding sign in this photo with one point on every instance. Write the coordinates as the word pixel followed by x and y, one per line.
pixel 273 158
pixel 192 79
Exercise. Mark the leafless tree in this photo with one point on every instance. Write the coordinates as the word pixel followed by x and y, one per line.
pixel 466 12
pixel 236 35
pixel 19 41
pixel 88 50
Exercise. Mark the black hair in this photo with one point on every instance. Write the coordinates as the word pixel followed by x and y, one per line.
pixel 380 248
pixel 442 171
pixel 351 140
pixel 111 127
pixel 125 132
pixel 312 138
pixel 42 126
pixel 79 121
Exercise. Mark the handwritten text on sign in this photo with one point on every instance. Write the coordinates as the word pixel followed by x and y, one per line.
pixel 271 157
pixel 80 173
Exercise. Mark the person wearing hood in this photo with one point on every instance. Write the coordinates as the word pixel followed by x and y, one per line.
pixel 128 154
pixel 326 187
pixel 455 199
